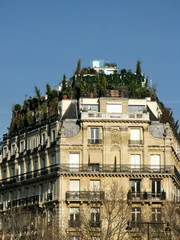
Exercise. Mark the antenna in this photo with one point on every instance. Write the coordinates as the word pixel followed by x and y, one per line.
pixel 151 83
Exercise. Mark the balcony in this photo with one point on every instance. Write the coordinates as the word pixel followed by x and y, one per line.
pixel 135 142
pixel 74 223
pixel 47 171
pixel 117 168
pixel 140 196
pixel 95 224
pixel 84 195
pixel 138 116
pixel 33 200
pixel 94 141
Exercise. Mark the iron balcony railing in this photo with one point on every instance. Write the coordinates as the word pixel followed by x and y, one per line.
pixel 146 195
pixel 30 175
pixel 95 224
pixel 95 141
pixel 85 195
pixel 135 142
pixel 118 168
pixel 74 223
pixel 102 168
pixel 25 201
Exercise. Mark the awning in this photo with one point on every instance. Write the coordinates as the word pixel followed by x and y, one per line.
pixel 96 157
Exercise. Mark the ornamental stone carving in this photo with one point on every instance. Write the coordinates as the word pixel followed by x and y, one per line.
pixel 115 137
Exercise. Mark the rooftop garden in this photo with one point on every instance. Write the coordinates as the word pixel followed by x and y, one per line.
pixel 35 111
pixel 86 82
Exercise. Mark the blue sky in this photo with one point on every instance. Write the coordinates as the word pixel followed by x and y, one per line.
pixel 40 40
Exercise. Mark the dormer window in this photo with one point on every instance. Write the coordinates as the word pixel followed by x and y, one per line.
pixel 114 107
pixel 136 108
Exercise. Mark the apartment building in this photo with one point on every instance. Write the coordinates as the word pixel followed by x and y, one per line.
pixel 72 162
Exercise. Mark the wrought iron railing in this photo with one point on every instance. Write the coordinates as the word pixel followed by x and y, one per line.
pixel 146 195
pixel 74 223
pixel 135 142
pixel 95 141
pixel 95 224
pixel 25 201
pixel 117 168
pixel 30 175
pixel 102 168
pixel 85 195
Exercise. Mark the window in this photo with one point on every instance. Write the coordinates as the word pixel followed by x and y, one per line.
pixel 28 144
pixel 29 167
pixel 22 146
pixel 12 171
pixel 53 159
pixel 9 196
pixel 135 137
pixel 136 108
pixel 4 173
pixel 19 194
pixel 75 238
pixel 94 135
pixel 156 215
pixel 43 163
pixel 95 185
pixel 114 107
pixel 21 168
pixel 74 162
pixel 156 188
pixel 136 188
pixel 74 217
pixel 95 217
pixel 50 191
pixel 95 167
pixel 5 152
pixel 41 192
pixel 90 107
pixel 95 159
pixel 13 149
pixel 35 164
pixel 74 187
pixel 43 139
pixel 135 163
pixel 136 216
pixel 53 135
pixel 34 142
pixel 155 163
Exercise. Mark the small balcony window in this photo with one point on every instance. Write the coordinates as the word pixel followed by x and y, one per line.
pixel 95 167
pixel 136 217
pixel 94 136
pixel 135 137
pixel 95 217
pixel 74 217
pixel 156 217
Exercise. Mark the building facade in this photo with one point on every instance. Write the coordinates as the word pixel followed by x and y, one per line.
pixel 71 164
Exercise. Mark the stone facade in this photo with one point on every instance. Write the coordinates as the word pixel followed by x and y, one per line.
pixel 73 162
